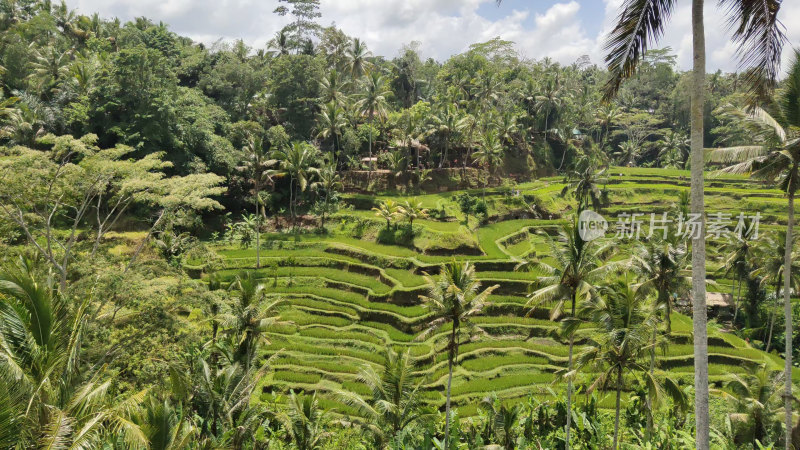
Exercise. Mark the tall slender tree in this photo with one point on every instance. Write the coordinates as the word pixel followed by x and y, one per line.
pixel 258 168
pixel 454 299
pixel 759 36
pixel 622 341
pixel 776 158
pixel 568 280
pixel 372 100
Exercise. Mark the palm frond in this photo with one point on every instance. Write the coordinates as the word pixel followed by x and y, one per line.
pixel 640 23
pixel 759 36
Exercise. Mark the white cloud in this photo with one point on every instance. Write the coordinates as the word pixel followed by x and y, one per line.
pixel 443 27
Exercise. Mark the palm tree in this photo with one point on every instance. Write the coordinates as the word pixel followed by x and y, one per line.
pixel 46 399
pixel 757 401
pixel 740 251
pixel 396 400
pixel 501 423
pixel 357 55
pixel 491 153
pixel 584 185
pixel 48 67
pixel 605 116
pixel 372 99
pixel 760 38
pixel 280 44
pixel 622 341
pixel 249 318
pixel 328 182
pixel 412 210
pixel 659 264
pixel 769 269
pixel 775 158
pixel 164 426
pixel 258 168
pixel 304 420
pixel 674 147
pixel 577 264
pixel 330 122
pixel 297 161
pixel 222 394
pixel 396 163
pixel 387 210
pixel 454 299
pixel 333 87
pixel 447 124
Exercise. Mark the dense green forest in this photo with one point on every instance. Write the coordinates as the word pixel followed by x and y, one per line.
pixel 308 245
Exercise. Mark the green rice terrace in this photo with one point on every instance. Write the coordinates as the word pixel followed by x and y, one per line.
pixel 345 296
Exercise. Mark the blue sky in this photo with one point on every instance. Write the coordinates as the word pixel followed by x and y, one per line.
pixel 563 30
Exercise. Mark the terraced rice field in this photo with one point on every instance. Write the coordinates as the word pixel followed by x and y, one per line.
pixel 345 297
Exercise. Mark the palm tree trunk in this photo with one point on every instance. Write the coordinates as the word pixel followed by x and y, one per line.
pixel 699 319
pixel 616 417
pixel 772 314
pixel 450 357
pixel 569 393
pixel 668 316
pixel 787 311
pixel 258 232
pixel 569 378
pixel 737 298
pixel 652 369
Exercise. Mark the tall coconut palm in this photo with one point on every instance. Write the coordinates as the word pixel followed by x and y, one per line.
pixel 584 184
pixel 280 44
pixel 759 36
pixel 357 56
pixel 622 341
pixel 257 167
pixel 606 115
pixel 740 250
pixel 328 183
pixel 372 99
pixel 249 317
pixel 333 88
pixel 447 123
pixel 297 161
pixel 659 264
pixel 395 401
pixel 330 122
pixel 491 153
pixel 674 147
pixel 454 298
pixel 769 269
pixel 774 157
pixel 568 280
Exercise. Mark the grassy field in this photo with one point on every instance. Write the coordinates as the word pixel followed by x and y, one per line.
pixel 349 296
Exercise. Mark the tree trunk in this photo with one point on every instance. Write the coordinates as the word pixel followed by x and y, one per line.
pixel 652 369
pixel 668 316
pixel 450 356
pixel 569 394
pixel 616 416
pixel 258 234
pixel 699 318
pixel 736 299
pixel 569 378
pixel 787 311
